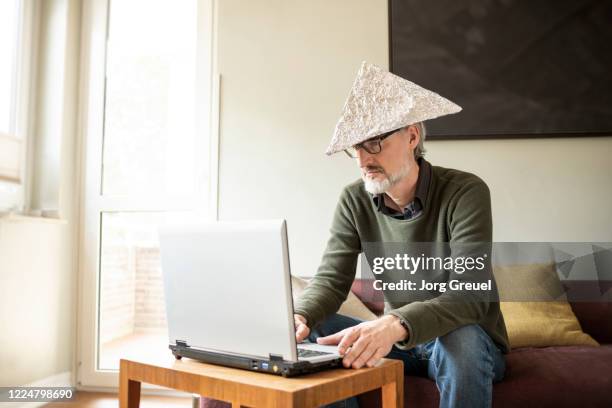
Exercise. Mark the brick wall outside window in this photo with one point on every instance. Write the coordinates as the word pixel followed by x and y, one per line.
pixel 132 298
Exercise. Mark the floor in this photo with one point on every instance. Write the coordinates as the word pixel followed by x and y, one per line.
pixel 137 344
pixel 105 400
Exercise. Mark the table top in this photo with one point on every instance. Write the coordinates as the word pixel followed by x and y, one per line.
pixel 381 373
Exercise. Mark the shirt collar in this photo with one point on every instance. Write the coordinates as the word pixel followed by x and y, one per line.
pixel 421 191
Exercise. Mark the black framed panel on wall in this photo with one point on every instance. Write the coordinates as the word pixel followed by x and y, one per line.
pixel 519 68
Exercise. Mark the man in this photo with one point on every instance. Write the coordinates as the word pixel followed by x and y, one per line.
pixel 402 198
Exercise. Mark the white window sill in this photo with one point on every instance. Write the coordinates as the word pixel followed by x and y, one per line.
pixel 15 218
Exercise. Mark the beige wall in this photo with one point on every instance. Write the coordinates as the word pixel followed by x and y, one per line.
pixel 37 317
pixel 541 189
pixel 286 70
pixel 37 256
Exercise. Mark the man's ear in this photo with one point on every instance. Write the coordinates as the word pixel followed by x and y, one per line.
pixel 413 135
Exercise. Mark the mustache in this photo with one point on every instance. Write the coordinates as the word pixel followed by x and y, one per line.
pixel 370 169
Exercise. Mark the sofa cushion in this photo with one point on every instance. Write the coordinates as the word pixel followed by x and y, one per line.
pixel 557 377
pixel 591 301
pixel 535 309
pixel 541 324
pixel 372 298
pixel 352 306
pixel 595 319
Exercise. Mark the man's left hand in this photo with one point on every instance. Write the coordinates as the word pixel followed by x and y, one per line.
pixel 368 342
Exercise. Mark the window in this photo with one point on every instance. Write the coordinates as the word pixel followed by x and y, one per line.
pixel 150 159
pixel 15 46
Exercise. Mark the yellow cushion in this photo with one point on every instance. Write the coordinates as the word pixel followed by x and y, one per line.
pixel 535 309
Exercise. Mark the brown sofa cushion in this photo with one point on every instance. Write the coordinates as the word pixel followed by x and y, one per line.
pixel 372 298
pixel 591 302
pixel 569 376
pixel 595 319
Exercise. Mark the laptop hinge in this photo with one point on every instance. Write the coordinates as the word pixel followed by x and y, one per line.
pixel 275 357
pixel 181 343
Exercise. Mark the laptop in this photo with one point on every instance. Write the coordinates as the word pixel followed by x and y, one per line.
pixel 228 298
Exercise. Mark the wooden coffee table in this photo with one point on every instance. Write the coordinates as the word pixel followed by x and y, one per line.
pixel 252 389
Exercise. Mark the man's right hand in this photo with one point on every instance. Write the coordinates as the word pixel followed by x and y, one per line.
pixel 301 328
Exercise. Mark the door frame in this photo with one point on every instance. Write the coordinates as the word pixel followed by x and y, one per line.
pixel 94 35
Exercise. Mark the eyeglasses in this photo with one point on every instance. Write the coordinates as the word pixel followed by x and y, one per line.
pixel 372 145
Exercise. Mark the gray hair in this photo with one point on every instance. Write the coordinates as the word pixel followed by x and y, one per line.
pixel 419 151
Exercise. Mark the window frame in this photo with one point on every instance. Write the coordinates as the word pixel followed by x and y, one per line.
pixel 93 204
pixel 15 192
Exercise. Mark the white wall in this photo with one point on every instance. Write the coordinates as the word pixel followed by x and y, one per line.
pixel 38 256
pixel 287 67
pixel 36 301
pixel 557 190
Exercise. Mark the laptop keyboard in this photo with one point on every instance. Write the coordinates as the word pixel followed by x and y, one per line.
pixel 311 353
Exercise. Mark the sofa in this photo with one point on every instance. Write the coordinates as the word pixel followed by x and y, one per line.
pixel 563 376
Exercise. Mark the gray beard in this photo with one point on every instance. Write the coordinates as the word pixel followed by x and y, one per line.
pixel 378 187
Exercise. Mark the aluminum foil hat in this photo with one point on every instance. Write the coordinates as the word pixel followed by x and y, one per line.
pixel 380 102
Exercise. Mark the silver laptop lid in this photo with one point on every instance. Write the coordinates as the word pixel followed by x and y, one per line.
pixel 228 288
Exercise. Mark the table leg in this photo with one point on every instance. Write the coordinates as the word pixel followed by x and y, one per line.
pixel 393 392
pixel 389 396
pixel 129 390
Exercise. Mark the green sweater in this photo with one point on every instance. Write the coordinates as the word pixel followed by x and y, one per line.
pixel 457 210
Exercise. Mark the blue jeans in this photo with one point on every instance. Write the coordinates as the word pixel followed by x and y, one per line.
pixel 464 363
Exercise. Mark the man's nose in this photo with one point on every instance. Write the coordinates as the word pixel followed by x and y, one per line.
pixel 364 158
